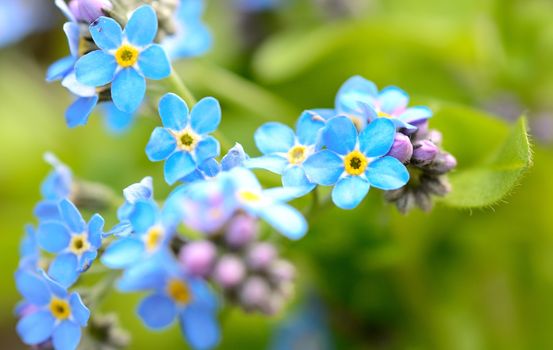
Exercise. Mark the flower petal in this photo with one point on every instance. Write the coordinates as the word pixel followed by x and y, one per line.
pixel 178 166
pixel 36 327
pixel 53 236
pixel 73 33
pixel 308 128
pixel 200 327
pixel 117 121
pixel 60 68
pixel 107 33
pixel 416 114
pixel 354 90
pixel 157 311
pixel 128 90
pixel 377 138
pixel 173 111
pixel 141 29
pixel 350 191
pixel 392 99
pixel 67 336
pixel 285 219
pixel 144 215
pixel 95 227
pixel 33 288
pixel 295 176
pixel 79 111
pixel 206 116
pixel 71 215
pixel 79 311
pixel 207 148
pixel 272 162
pixel 162 143
pixel 340 135
pixel 274 137
pixel 153 63
pixel 64 269
pixel 387 173
pixel 324 167
pixel 96 68
pixel 123 253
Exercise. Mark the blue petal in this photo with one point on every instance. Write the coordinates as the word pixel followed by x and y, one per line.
pixel 210 167
pixel 308 128
pixel 393 99
pixel 272 162
pixel 387 173
pixel 107 33
pixel 128 90
pixel 123 253
pixel 148 274
pixel 67 336
pixel 157 311
pixel 33 288
pixel 153 63
pixel 173 111
pixel 56 289
pixel 354 90
pixel 416 114
pixel 324 167
pixel 142 190
pixel 144 215
pixel 86 260
pixel 245 179
pixel 79 111
pixel 340 135
pixel 73 33
pixel 274 137
pixel 64 269
pixel 79 311
pixel 72 216
pixel 350 191
pixel 199 326
pixel 178 166
pixel 53 236
pixel 295 176
pixel 117 121
pixel 142 26
pixel 377 138
pixel 162 143
pixel 285 219
pixel 60 68
pixel 203 294
pixel 96 68
pixel 36 328
pixel 234 157
pixel 77 88
pixel 47 210
pixel 207 148
pixel 206 116
pixel 95 227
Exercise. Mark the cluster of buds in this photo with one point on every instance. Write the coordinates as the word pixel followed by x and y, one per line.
pixel 248 271
pixel 428 165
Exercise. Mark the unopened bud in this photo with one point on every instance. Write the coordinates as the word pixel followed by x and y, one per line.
pixel 402 149
pixel 424 152
pixel 89 10
pixel 438 186
pixel 229 271
pixel 242 229
pixel 443 163
pixel 423 200
pixel 254 293
pixel 197 258
pixel 260 256
pixel 282 271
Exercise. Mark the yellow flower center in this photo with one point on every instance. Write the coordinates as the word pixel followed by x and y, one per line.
pixel 178 291
pixel 79 244
pixel 187 140
pixel 153 238
pixel 355 163
pixel 60 308
pixel 249 196
pixel 297 154
pixel 381 114
pixel 126 56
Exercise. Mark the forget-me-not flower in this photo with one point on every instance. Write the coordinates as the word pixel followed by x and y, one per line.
pixel 353 162
pixel 74 242
pixel 51 313
pixel 58 185
pixel 125 59
pixel 184 139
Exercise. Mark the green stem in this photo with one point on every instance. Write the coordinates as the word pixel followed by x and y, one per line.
pixel 101 290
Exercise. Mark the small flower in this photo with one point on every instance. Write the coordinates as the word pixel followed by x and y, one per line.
pixel 125 58
pixel 184 139
pixel 174 296
pixel 151 231
pixel 285 152
pixel 354 162
pixel 58 185
pixel 74 242
pixel 360 100
pixel 52 313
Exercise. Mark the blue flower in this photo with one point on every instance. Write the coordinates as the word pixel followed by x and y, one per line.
pixel 183 140
pixel 73 240
pixel 354 162
pixel 359 99
pixel 191 36
pixel 284 152
pixel 57 186
pixel 51 313
pixel 125 58
pixel 150 232
pixel 29 249
pixel 175 296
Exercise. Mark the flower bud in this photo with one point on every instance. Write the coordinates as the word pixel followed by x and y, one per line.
pixel 282 271
pixel 260 256
pixel 423 200
pixel 443 163
pixel 89 10
pixel 435 136
pixel 197 258
pixel 438 186
pixel 254 293
pixel 424 152
pixel 229 271
pixel 402 149
pixel 234 157
pixel 242 229
pixel 274 304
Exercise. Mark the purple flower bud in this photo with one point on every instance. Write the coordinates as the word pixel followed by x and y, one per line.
pixel 443 163
pixel 89 10
pixel 402 149
pixel 424 152
pixel 422 129
pixel 435 136
pixel 282 271
pixel 274 304
pixel 260 256
pixel 254 293
pixel 242 230
pixel 197 258
pixel 229 271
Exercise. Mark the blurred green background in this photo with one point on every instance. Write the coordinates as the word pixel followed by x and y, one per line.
pixel 451 279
